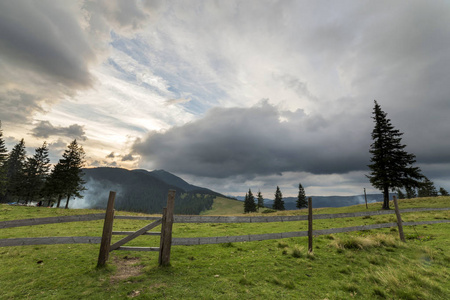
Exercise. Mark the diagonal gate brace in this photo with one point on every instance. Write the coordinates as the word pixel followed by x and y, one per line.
pixel 134 235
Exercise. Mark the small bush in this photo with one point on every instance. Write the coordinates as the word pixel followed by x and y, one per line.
pixel 268 211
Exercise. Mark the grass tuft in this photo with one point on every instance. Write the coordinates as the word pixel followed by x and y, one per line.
pixel 297 251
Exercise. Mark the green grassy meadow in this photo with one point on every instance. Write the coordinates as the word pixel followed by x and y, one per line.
pixel 358 265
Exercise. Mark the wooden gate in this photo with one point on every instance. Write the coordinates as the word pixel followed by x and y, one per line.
pixel 166 222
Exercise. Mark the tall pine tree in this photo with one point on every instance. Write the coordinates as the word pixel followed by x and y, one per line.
pixel 301 198
pixel 68 173
pixel 15 172
pixel 36 171
pixel 278 203
pixel 3 158
pixel 391 166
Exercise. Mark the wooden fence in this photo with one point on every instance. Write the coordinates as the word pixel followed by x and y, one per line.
pixel 167 219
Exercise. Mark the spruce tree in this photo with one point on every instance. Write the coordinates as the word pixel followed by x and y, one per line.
pixel 3 158
pixel 391 166
pixel 301 198
pixel 68 173
pixel 3 150
pixel 260 200
pixel 278 203
pixel 55 185
pixel 36 170
pixel 249 203
pixel 15 171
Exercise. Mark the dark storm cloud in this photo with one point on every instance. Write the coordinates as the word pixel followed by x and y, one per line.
pixel 128 157
pixel 45 38
pixel 260 140
pixel 17 106
pixel 45 129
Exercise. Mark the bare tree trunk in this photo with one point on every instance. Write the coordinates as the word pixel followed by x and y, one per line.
pixel 386 198
pixel 59 200
pixel 67 202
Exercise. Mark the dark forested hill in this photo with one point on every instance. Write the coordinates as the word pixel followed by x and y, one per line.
pixel 143 191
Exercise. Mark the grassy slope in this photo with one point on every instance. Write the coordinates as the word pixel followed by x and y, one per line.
pixel 362 265
pixel 225 206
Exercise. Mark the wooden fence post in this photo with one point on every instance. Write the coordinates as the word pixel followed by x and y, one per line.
pixel 365 197
pixel 166 230
pixel 107 231
pixel 399 220
pixel 310 225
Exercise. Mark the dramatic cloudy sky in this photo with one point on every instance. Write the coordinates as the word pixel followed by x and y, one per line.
pixel 229 95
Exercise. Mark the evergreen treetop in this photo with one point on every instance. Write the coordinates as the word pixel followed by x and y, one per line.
pixel 278 203
pixel 301 198
pixel 249 203
pixel 260 200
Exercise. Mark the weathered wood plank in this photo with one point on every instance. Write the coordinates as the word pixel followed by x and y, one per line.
pixel 103 254
pixel 166 230
pixel 51 220
pixel 206 240
pixel 50 241
pixel 310 225
pixel 135 235
pixel 136 218
pixel 138 248
pixel 264 219
pixel 130 232
pixel 425 222
pixel 273 236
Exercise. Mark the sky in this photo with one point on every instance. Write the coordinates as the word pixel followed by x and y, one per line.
pixel 229 95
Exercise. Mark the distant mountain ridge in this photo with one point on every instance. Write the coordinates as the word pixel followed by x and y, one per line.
pixel 143 191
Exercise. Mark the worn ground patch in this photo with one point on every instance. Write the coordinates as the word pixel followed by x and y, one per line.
pixel 126 267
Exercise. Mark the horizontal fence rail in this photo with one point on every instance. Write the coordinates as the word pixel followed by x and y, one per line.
pixel 51 220
pixel 263 219
pixel 203 219
pixel 136 218
pixel 283 235
pixel 205 240
pixel 50 241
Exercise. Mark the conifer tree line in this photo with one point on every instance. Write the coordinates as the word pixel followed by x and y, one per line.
pixel 24 179
pixel 278 204
pixel 426 189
